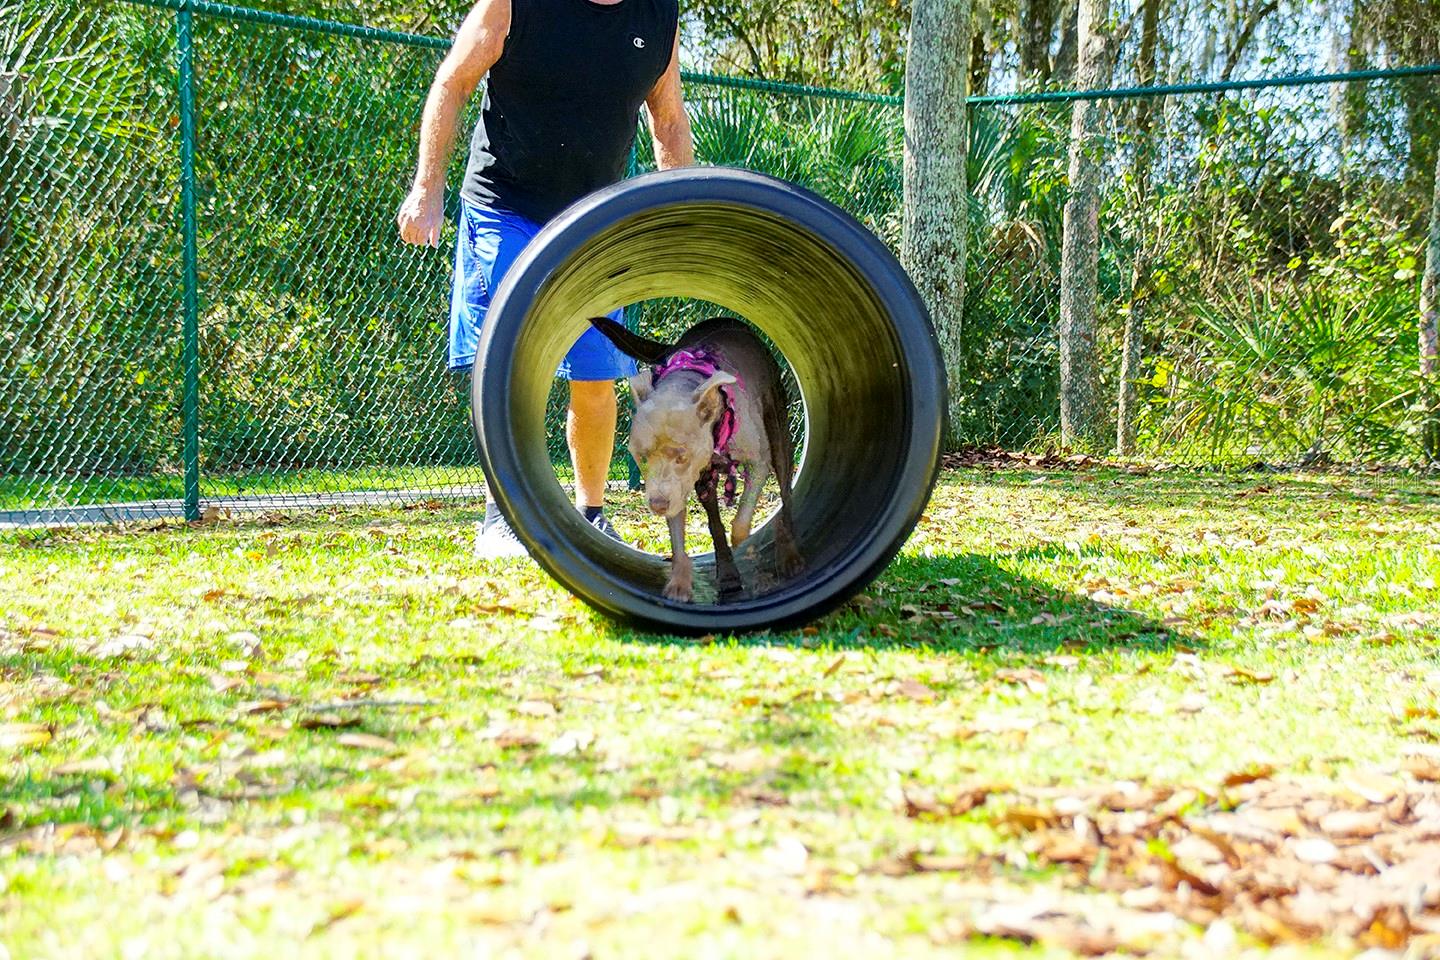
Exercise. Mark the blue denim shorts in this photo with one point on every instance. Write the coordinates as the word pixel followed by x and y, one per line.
pixel 487 244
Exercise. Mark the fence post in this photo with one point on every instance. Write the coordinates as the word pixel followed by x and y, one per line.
pixel 190 350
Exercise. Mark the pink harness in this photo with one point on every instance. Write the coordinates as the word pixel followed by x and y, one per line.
pixel 698 361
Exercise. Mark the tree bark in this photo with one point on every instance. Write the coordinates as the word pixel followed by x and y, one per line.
pixel 1353 106
pixel 1243 38
pixel 1430 326
pixel 1079 374
pixel 1037 23
pixel 1062 68
pixel 1132 351
pixel 980 53
pixel 932 242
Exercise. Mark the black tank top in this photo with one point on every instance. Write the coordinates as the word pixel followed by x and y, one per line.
pixel 562 102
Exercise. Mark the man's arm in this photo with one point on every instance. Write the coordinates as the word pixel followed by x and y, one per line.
pixel 669 123
pixel 478 44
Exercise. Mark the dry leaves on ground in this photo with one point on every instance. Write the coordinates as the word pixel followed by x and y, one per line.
pixel 1281 860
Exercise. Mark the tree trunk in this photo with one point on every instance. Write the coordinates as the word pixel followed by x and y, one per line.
pixel 1037 22
pixel 1062 69
pixel 1246 32
pixel 1430 326
pixel 1132 352
pixel 932 243
pixel 1353 107
pixel 980 53
pixel 1079 374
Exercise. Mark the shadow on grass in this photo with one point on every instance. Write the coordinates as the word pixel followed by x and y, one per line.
pixel 960 605
pixel 967 603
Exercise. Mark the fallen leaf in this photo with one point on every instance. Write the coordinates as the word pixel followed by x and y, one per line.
pixel 1352 823
pixel 1315 850
pixel 1422 768
pixel 1373 787
pixel 508 737
pixel 942 863
pixel 220 683
pixel 261 706
pixel 1220 842
pixel 327 721
pixel 246 640
pixel 915 690
pixel 537 708
pixel 1064 848
pixel 24 734
pixel 836 665
pixel 1241 675
pixel 342 910
pixel 91 765
pixel 1030 924
pixel 750 760
pixel 123 644
pixel 1027 819
pixel 367 741
pixel 970 798
pixel 571 742
pixel 1193 703
pixel 1028 677
pixel 1260 771
pixel 789 856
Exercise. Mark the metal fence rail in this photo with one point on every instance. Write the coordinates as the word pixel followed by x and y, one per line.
pixel 202 296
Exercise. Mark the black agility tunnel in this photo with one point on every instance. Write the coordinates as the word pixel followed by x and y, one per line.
pixel 830 296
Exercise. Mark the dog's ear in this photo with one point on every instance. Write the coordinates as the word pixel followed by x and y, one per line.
pixel 707 396
pixel 641 386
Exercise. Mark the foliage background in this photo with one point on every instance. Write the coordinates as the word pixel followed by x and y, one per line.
pixel 1283 239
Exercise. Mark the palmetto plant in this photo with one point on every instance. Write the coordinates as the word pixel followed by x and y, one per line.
pixel 63 78
pixel 1286 367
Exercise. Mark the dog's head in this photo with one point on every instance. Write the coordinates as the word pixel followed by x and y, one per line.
pixel 673 435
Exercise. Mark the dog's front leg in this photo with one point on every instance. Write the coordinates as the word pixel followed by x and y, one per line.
pixel 727 575
pixel 681 585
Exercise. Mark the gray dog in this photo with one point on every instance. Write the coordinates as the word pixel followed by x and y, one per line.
pixel 709 412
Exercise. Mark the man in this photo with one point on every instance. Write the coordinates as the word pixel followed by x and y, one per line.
pixel 566 79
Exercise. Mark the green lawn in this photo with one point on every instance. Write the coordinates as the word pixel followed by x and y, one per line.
pixel 24 492
pixel 338 735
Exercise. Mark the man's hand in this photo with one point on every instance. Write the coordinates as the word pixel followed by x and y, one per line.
pixel 420 217
pixel 478 44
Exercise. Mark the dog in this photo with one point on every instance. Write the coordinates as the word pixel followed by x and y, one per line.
pixel 709 412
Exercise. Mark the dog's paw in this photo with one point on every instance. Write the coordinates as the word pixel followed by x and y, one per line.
pixel 681 591
pixel 681 585
pixel 791 564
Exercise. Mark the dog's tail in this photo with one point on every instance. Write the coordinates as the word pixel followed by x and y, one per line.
pixel 632 344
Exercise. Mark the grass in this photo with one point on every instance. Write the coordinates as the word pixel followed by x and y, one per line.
pixel 550 784
pixel 24 492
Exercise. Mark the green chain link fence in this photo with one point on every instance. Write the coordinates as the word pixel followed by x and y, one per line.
pixel 229 317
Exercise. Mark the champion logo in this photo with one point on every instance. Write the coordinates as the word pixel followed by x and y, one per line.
pixel 639 42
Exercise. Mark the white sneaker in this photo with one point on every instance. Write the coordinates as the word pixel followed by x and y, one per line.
pixel 494 540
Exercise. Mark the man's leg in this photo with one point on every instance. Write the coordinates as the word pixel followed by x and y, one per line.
pixel 592 366
pixel 487 242
pixel 590 431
